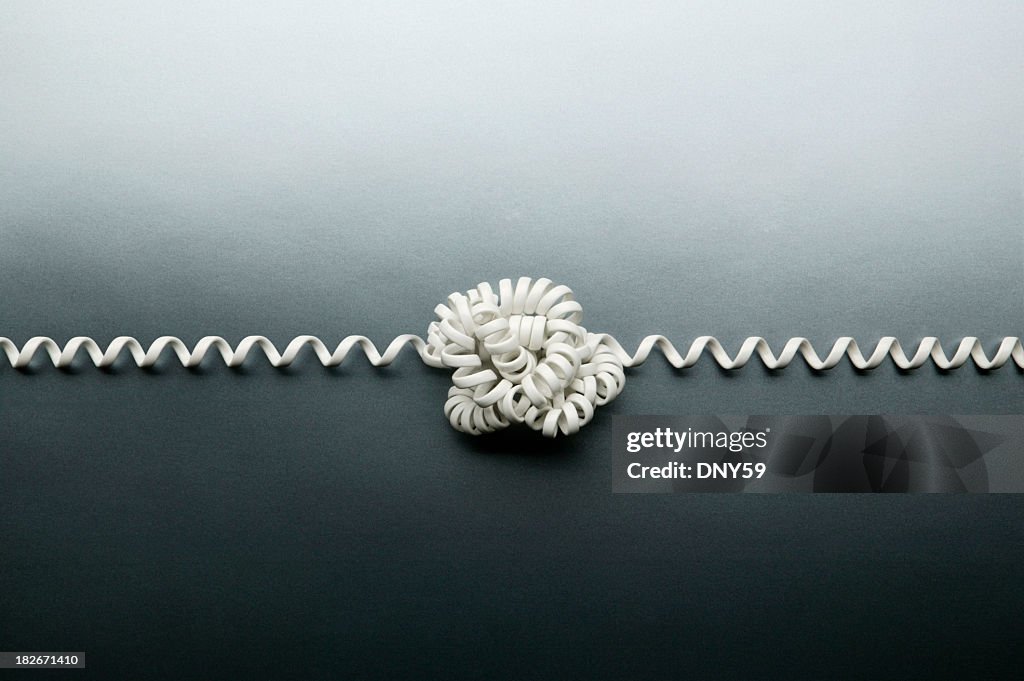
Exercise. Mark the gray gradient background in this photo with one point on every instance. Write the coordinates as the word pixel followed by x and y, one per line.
pixel 732 169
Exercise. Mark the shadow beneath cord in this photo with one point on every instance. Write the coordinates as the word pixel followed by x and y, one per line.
pixel 524 442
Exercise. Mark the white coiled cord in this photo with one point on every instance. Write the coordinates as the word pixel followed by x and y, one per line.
pixel 519 355
pixel 233 356
pixel 969 349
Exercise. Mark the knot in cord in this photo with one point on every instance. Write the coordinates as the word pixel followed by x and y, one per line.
pixel 521 356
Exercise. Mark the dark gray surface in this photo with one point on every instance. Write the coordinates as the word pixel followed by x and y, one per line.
pixel 796 171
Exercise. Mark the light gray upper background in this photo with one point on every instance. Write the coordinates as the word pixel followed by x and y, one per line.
pixel 709 168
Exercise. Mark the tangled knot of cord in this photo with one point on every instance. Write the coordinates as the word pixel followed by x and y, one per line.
pixel 521 356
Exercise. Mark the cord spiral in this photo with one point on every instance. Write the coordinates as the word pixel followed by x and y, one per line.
pixel 233 356
pixel 520 355
pixel 969 350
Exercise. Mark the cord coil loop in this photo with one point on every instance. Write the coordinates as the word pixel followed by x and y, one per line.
pixel 521 356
